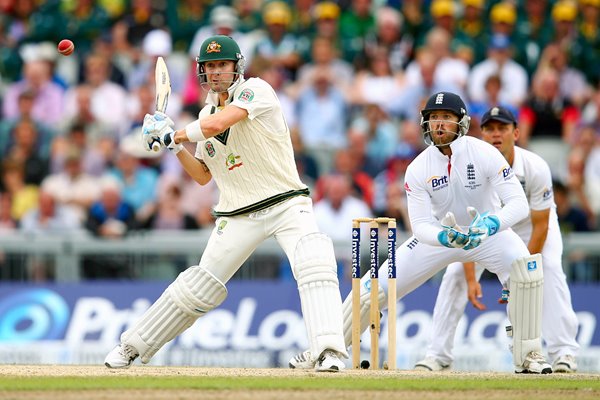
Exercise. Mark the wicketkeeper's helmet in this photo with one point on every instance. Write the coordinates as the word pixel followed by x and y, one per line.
pixel 445 101
pixel 216 48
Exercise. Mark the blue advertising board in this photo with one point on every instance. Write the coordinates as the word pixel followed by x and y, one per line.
pixel 258 325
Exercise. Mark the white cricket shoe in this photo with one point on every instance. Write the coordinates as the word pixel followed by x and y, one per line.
pixel 534 363
pixel 329 362
pixel 565 363
pixel 121 356
pixel 302 361
pixel 431 364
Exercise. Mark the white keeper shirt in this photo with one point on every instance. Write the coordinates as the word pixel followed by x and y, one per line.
pixel 533 172
pixel 252 162
pixel 475 175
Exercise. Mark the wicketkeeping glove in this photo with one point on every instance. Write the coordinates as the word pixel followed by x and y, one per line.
pixel 482 226
pixel 450 236
pixel 155 127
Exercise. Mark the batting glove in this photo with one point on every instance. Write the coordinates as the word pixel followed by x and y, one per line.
pixel 169 142
pixel 450 236
pixel 156 126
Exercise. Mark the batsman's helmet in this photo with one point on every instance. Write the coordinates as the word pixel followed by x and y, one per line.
pixel 445 101
pixel 216 48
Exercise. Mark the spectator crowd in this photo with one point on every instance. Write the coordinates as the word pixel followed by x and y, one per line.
pixel 352 76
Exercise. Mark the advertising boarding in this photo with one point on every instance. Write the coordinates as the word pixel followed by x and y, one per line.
pixel 259 325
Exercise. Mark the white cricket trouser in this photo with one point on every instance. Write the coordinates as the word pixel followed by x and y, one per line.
pixel 234 239
pixel 559 322
pixel 417 262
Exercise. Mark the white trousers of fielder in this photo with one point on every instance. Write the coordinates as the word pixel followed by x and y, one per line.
pixel 417 262
pixel 559 322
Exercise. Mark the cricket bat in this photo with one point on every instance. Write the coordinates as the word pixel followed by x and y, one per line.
pixel 163 91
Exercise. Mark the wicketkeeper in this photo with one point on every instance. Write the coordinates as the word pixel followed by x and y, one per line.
pixel 462 198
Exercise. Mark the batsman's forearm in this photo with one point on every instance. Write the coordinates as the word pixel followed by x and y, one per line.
pixel 180 136
pixel 196 169
pixel 197 131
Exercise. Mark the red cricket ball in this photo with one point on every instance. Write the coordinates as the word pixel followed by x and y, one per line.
pixel 66 47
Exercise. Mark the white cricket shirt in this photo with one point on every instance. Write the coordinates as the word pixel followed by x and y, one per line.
pixel 534 174
pixel 475 175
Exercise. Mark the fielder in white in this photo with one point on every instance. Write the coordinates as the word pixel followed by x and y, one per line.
pixel 243 142
pixel 446 184
pixel 541 232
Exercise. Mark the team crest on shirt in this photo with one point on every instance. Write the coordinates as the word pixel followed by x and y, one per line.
pixel 547 194
pixel 213 47
pixel 246 96
pixel 471 182
pixel 232 162
pixel 210 149
pixel 438 182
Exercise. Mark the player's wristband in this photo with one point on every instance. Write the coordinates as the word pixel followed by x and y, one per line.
pixel 193 131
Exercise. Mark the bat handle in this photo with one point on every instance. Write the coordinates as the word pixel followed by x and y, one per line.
pixel 156 145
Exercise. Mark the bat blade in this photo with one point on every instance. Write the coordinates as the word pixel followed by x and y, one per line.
pixel 163 85
pixel 163 89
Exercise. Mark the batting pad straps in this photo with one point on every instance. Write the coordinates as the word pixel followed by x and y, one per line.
pixel 315 270
pixel 365 306
pixel 525 306
pixel 195 292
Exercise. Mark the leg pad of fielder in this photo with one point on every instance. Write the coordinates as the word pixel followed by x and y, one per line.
pixel 195 292
pixel 365 307
pixel 315 270
pixel 525 306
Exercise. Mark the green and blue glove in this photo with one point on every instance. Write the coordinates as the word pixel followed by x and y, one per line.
pixel 482 226
pixel 450 236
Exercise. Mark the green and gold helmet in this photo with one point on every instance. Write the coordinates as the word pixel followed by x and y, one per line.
pixel 216 48
pixel 219 47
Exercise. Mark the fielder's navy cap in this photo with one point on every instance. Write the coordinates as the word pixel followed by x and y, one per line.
pixel 498 114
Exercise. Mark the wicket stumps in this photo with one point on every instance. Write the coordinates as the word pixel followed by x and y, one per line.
pixel 374 324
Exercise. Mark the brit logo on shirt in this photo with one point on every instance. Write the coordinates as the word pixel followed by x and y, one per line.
pixel 438 182
pixel 507 172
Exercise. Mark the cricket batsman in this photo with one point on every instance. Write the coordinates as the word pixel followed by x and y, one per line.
pixel 243 143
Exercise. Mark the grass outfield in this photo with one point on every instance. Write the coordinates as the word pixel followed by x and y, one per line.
pixel 147 382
